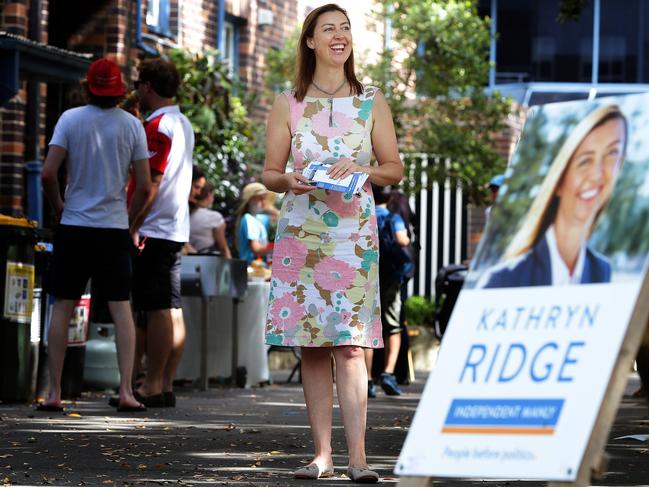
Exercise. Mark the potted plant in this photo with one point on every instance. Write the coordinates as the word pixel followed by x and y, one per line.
pixel 420 314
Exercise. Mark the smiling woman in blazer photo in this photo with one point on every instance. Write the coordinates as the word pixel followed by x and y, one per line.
pixel 551 247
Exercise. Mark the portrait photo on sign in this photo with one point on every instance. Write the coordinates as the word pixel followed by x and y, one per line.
pixel 574 207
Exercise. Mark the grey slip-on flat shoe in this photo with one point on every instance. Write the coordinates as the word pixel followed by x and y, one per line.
pixel 362 475
pixel 312 471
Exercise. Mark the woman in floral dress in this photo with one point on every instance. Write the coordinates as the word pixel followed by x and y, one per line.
pixel 324 289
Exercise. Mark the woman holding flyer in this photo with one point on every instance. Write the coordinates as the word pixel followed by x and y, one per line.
pixel 551 248
pixel 324 288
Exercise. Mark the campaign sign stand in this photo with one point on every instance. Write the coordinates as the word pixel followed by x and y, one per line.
pixel 535 359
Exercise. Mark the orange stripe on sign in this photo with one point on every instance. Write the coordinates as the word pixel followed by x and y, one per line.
pixel 500 431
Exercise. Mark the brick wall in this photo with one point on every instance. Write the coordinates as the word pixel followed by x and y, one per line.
pixel 12 158
pixel 198 25
pixel 12 122
pixel 14 16
pixel 110 32
pixel 198 31
pixel 42 87
pixel 258 39
pixel 107 32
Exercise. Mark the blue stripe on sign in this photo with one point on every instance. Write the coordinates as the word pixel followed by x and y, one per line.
pixel 504 412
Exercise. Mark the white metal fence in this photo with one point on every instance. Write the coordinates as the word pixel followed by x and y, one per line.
pixel 441 224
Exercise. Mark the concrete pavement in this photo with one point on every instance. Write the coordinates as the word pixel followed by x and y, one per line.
pixel 231 436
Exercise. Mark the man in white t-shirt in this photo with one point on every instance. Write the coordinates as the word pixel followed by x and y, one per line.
pixel 100 143
pixel 164 231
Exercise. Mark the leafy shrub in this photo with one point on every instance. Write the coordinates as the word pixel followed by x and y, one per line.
pixel 225 145
pixel 419 311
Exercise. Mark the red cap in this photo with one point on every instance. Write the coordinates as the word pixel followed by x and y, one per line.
pixel 105 78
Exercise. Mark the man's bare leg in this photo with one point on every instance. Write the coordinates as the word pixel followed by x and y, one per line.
pixel 178 345
pixel 122 316
pixel 158 350
pixel 57 344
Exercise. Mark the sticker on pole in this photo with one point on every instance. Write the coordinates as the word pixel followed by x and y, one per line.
pixel 19 289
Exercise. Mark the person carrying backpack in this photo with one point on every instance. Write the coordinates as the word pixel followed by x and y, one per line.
pixel 396 266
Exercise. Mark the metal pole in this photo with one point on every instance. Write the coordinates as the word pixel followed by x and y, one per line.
pixel 596 22
pixel 492 48
pixel 179 22
pixel 205 303
pixel 387 23
pixel 641 37
pixel 34 191
pixel 235 340
pixel 220 28
pixel 33 127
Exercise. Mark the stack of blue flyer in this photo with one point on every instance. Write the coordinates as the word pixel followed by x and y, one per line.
pixel 316 172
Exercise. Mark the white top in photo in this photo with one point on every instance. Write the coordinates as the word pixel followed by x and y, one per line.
pixel 560 272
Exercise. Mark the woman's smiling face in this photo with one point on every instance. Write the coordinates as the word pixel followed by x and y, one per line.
pixel 588 181
pixel 332 38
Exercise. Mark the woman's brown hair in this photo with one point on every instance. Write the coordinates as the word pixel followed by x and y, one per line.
pixel 306 55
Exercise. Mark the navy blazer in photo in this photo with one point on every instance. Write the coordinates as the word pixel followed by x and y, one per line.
pixel 534 269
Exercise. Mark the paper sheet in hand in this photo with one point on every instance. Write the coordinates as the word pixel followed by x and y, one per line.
pixel 317 173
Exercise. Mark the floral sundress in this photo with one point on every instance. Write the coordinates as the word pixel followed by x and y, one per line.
pixel 324 286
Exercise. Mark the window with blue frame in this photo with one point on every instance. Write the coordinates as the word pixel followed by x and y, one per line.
pixel 158 14
pixel 230 50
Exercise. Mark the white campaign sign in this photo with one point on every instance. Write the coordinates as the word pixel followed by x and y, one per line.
pixel 518 383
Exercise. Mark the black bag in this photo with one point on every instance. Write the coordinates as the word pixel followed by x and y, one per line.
pixel 448 284
pixel 395 261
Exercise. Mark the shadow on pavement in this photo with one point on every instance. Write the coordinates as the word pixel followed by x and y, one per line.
pixel 233 436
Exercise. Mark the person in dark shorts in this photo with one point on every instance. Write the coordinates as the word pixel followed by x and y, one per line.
pixel 164 231
pixel 390 290
pixel 95 237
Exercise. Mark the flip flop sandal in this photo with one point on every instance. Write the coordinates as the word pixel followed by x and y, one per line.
pixel 140 408
pixel 154 401
pixel 51 408
pixel 170 399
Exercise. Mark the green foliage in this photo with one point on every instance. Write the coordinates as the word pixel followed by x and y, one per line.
pixel 280 64
pixel 419 311
pixel 225 144
pixel 623 227
pixel 570 10
pixel 446 46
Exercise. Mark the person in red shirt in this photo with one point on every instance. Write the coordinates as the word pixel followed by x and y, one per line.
pixel 164 230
